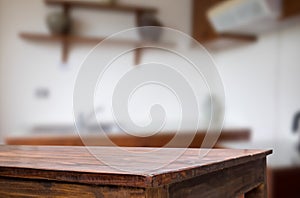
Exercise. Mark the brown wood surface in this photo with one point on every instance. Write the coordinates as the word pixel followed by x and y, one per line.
pixel 76 164
pixel 226 183
pixel 14 187
pixel 159 140
pixel 259 191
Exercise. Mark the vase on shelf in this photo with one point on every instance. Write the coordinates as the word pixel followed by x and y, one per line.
pixel 59 23
pixel 147 33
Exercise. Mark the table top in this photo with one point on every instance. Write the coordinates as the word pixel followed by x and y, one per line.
pixel 77 164
pixel 285 154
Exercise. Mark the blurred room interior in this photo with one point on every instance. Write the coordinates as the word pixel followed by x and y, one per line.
pixel 257 58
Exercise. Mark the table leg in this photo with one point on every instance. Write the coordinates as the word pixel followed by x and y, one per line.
pixel 258 192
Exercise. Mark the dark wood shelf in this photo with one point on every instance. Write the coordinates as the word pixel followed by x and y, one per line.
pixel 227 41
pixel 77 39
pixel 66 40
pixel 205 33
pixel 49 37
pixel 241 37
pixel 103 6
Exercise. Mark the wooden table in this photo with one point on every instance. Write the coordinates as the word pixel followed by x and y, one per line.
pixel 283 167
pixel 30 171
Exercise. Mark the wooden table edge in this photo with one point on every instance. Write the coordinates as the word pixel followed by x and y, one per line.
pixel 144 181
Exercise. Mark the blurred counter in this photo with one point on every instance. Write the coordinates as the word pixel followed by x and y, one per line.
pixel 124 139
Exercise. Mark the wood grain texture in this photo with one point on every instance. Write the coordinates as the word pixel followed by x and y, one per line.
pixel 260 191
pixel 226 183
pixel 76 164
pixel 159 140
pixel 28 171
pixel 12 187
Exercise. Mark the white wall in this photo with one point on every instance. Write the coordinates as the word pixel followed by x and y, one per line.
pixel 288 86
pixel 262 83
pixel 1 59
pixel 249 76
pixel 260 79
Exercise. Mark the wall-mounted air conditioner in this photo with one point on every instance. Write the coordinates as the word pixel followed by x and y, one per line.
pixel 245 16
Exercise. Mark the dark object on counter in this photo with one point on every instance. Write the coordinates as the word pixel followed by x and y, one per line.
pixel 149 33
pixel 296 121
pixel 113 2
pixel 59 23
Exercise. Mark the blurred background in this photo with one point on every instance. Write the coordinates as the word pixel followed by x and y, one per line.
pixel 255 45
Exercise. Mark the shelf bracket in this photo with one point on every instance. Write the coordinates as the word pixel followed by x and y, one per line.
pixel 137 56
pixel 65 50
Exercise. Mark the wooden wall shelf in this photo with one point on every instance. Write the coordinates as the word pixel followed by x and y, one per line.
pixel 78 39
pixel 204 32
pixel 102 6
pixel 227 41
pixel 66 40
pixel 49 37
pixel 290 8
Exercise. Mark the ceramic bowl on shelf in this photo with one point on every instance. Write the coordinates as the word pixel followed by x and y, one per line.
pixel 59 23
pixel 150 34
